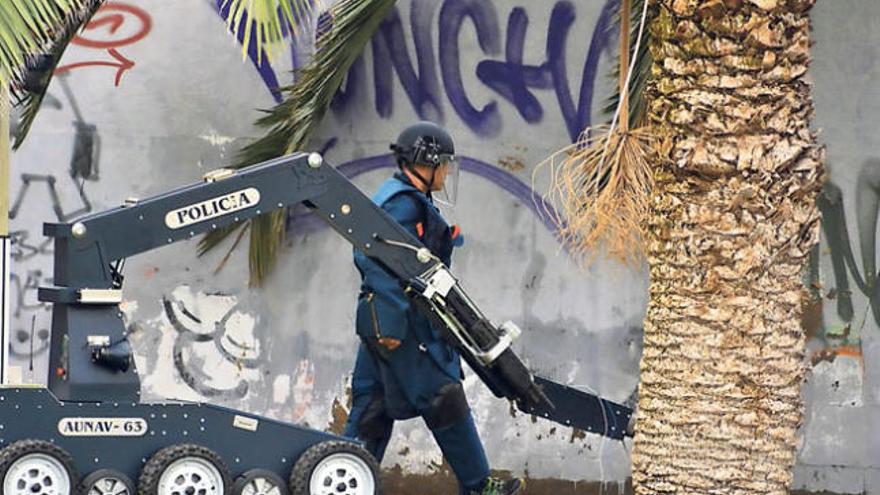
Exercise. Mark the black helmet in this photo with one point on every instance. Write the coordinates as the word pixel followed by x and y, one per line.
pixel 424 143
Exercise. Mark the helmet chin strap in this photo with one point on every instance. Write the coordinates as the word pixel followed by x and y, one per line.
pixel 428 185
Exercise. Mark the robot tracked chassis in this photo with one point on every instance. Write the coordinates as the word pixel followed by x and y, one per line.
pixel 90 420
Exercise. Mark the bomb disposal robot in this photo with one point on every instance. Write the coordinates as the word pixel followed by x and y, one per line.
pixel 90 421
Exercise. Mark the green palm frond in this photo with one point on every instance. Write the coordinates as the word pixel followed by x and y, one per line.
pixel 208 243
pixel 291 123
pixel 641 71
pixel 40 68
pixel 29 28
pixel 264 21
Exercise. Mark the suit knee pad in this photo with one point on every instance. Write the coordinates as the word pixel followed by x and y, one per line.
pixel 374 422
pixel 448 407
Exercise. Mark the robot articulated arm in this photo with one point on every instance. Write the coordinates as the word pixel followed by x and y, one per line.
pixel 89 352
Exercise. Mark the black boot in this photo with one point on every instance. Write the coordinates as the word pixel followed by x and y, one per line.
pixel 495 486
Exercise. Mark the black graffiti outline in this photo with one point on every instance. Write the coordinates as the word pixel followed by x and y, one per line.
pixel 22 251
pixel 32 283
pixel 86 156
pixel 843 261
pixel 42 334
pixel 84 163
pixel 50 180
pixel 194 378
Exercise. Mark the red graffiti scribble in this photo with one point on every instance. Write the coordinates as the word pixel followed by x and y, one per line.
pixel 115 20
pixel 122 63
pixel 111 18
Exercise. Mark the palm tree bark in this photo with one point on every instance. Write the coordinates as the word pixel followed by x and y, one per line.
pixel 732 222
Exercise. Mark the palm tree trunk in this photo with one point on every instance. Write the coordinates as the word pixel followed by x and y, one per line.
pixel 732 223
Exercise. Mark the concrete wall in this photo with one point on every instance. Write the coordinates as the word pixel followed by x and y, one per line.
pixel 169 98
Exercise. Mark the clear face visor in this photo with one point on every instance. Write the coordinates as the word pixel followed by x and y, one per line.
pixel 448 194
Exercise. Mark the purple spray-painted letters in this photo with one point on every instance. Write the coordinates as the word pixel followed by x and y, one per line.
pixel 435 71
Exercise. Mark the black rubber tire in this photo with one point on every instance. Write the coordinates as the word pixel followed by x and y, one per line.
pixel 148 482
pixel 23 447
pixel 95 476
pixel 306 464
pixel 242 481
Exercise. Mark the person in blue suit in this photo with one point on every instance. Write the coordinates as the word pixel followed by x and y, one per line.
pixel 404 369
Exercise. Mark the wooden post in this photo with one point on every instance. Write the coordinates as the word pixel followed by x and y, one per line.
pixel 4 159
pixel 5 244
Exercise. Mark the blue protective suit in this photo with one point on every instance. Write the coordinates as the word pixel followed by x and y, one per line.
pixel 408 382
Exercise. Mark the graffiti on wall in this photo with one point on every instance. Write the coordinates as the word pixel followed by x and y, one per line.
pixel 26 344
pixel 115 26
pixel 504 69
pixel 846 269
pixel 67 197
pixel 437 68
pixel 243 352
pixel 215 347
pixel 844 298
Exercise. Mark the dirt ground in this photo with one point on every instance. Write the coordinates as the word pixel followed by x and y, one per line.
pixel 443 483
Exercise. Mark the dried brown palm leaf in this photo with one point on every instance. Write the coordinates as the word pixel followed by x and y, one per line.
pixel 601 185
